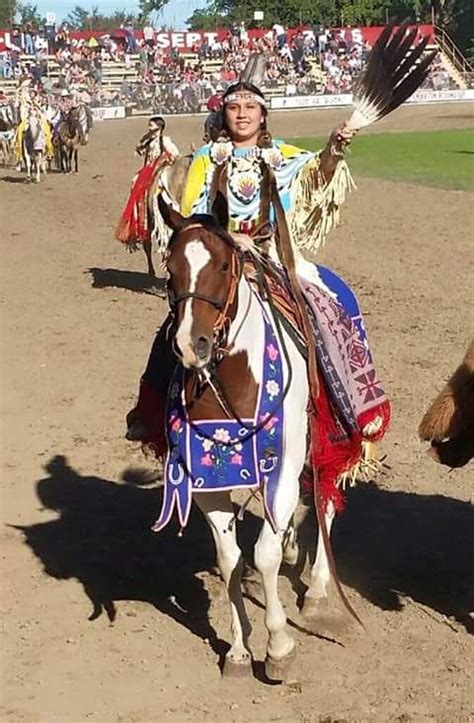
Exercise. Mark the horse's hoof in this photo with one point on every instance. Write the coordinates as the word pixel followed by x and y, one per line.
pixel 290 554
pixel 323 618
pixel 279 669
pixel 235 669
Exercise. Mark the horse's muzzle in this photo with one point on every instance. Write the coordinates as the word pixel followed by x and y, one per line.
pixel 196 354
pixel 203 348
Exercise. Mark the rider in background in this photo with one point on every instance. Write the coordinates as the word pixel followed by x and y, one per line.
pixel 214 106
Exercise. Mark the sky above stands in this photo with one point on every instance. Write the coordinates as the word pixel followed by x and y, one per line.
pixel 174 14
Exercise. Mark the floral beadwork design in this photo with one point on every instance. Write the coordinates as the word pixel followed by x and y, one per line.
pixel 221 151
pixel 245 184
pixel 223 454
pixel 273 157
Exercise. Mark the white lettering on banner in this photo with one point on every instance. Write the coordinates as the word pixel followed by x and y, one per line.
pixel 311 101
pixel 177 40
pixel 211 37
pixel 331 101
pixel 108 112
pixel 192 39
pixel 162 40
pixel 439 96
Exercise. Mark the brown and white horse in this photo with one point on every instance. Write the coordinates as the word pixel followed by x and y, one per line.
pixel 208 292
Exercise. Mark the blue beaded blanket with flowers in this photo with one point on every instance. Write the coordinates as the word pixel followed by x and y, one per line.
pixel 223 454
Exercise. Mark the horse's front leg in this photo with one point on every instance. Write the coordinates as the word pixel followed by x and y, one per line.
pixel 28 164
pixel 218 510
pixel 76 161
pixel 38 167
pixel 281 647
pixel 147 247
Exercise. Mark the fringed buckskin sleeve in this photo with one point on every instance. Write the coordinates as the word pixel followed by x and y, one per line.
pixel 316 202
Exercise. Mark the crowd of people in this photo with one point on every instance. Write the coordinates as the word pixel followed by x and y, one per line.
pixel 311 61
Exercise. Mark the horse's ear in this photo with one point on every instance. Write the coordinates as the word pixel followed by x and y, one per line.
pixel 220 211
pixel 172 218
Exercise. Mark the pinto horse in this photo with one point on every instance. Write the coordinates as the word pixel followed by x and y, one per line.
pixel 220 338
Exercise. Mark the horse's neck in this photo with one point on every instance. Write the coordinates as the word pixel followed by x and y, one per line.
pixel 82 118
pixel 247 330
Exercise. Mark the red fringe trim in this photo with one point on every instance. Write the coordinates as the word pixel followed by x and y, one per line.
pixel 133 225
pixel 331 456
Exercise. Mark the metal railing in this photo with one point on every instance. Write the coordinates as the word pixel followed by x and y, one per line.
pixel 452 52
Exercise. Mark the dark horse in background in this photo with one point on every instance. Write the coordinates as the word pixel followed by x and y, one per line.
pixel 72 133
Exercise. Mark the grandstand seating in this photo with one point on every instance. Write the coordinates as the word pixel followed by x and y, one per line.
pixel 113 73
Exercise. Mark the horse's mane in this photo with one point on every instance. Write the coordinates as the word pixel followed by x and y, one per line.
pixel 209 223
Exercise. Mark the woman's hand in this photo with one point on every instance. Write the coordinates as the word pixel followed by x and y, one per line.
pixel 340 138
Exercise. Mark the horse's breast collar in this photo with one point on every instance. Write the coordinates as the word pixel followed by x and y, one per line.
pixel 220 454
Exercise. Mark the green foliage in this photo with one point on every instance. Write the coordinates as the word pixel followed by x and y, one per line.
pixel 82 19
pixel 430 158
pixel 29 14
pixel 457 18
pixel 295 12
pixel 7 12
pixel 149 7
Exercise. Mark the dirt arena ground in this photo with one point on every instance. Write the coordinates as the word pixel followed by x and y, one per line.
pixel 104 621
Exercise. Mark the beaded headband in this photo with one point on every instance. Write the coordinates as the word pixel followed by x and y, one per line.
pixel 244 95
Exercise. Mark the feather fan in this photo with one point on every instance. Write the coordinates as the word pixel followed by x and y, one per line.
pixel 254 71
pixel 395 69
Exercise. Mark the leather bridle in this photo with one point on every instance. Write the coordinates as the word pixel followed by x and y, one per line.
pixel 223 306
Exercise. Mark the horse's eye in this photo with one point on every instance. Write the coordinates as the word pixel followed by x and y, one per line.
pixel 225 266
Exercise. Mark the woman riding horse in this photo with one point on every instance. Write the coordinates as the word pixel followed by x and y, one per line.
pixel 136 225
pixel 275 191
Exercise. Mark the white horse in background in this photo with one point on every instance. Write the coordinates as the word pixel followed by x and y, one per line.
pixel 33 145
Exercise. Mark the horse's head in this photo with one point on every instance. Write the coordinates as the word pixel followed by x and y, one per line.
pixel 204 269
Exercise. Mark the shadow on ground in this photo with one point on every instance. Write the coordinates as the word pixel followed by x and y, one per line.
pixel 14 179
pixel 130 280
pixel 394 545
pixel 388 546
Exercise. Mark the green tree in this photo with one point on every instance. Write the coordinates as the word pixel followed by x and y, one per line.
pixel 148 8
pixel 29 14
pixel 81 18
pixel 7 12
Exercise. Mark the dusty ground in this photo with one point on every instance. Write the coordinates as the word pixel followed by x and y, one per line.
pixel 104 621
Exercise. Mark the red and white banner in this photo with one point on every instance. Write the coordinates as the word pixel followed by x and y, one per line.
pixel 186 40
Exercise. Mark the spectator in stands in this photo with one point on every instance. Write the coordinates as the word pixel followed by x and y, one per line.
pixel 29 39
pixel 148 35
pixel 280 35
pixel 130 42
